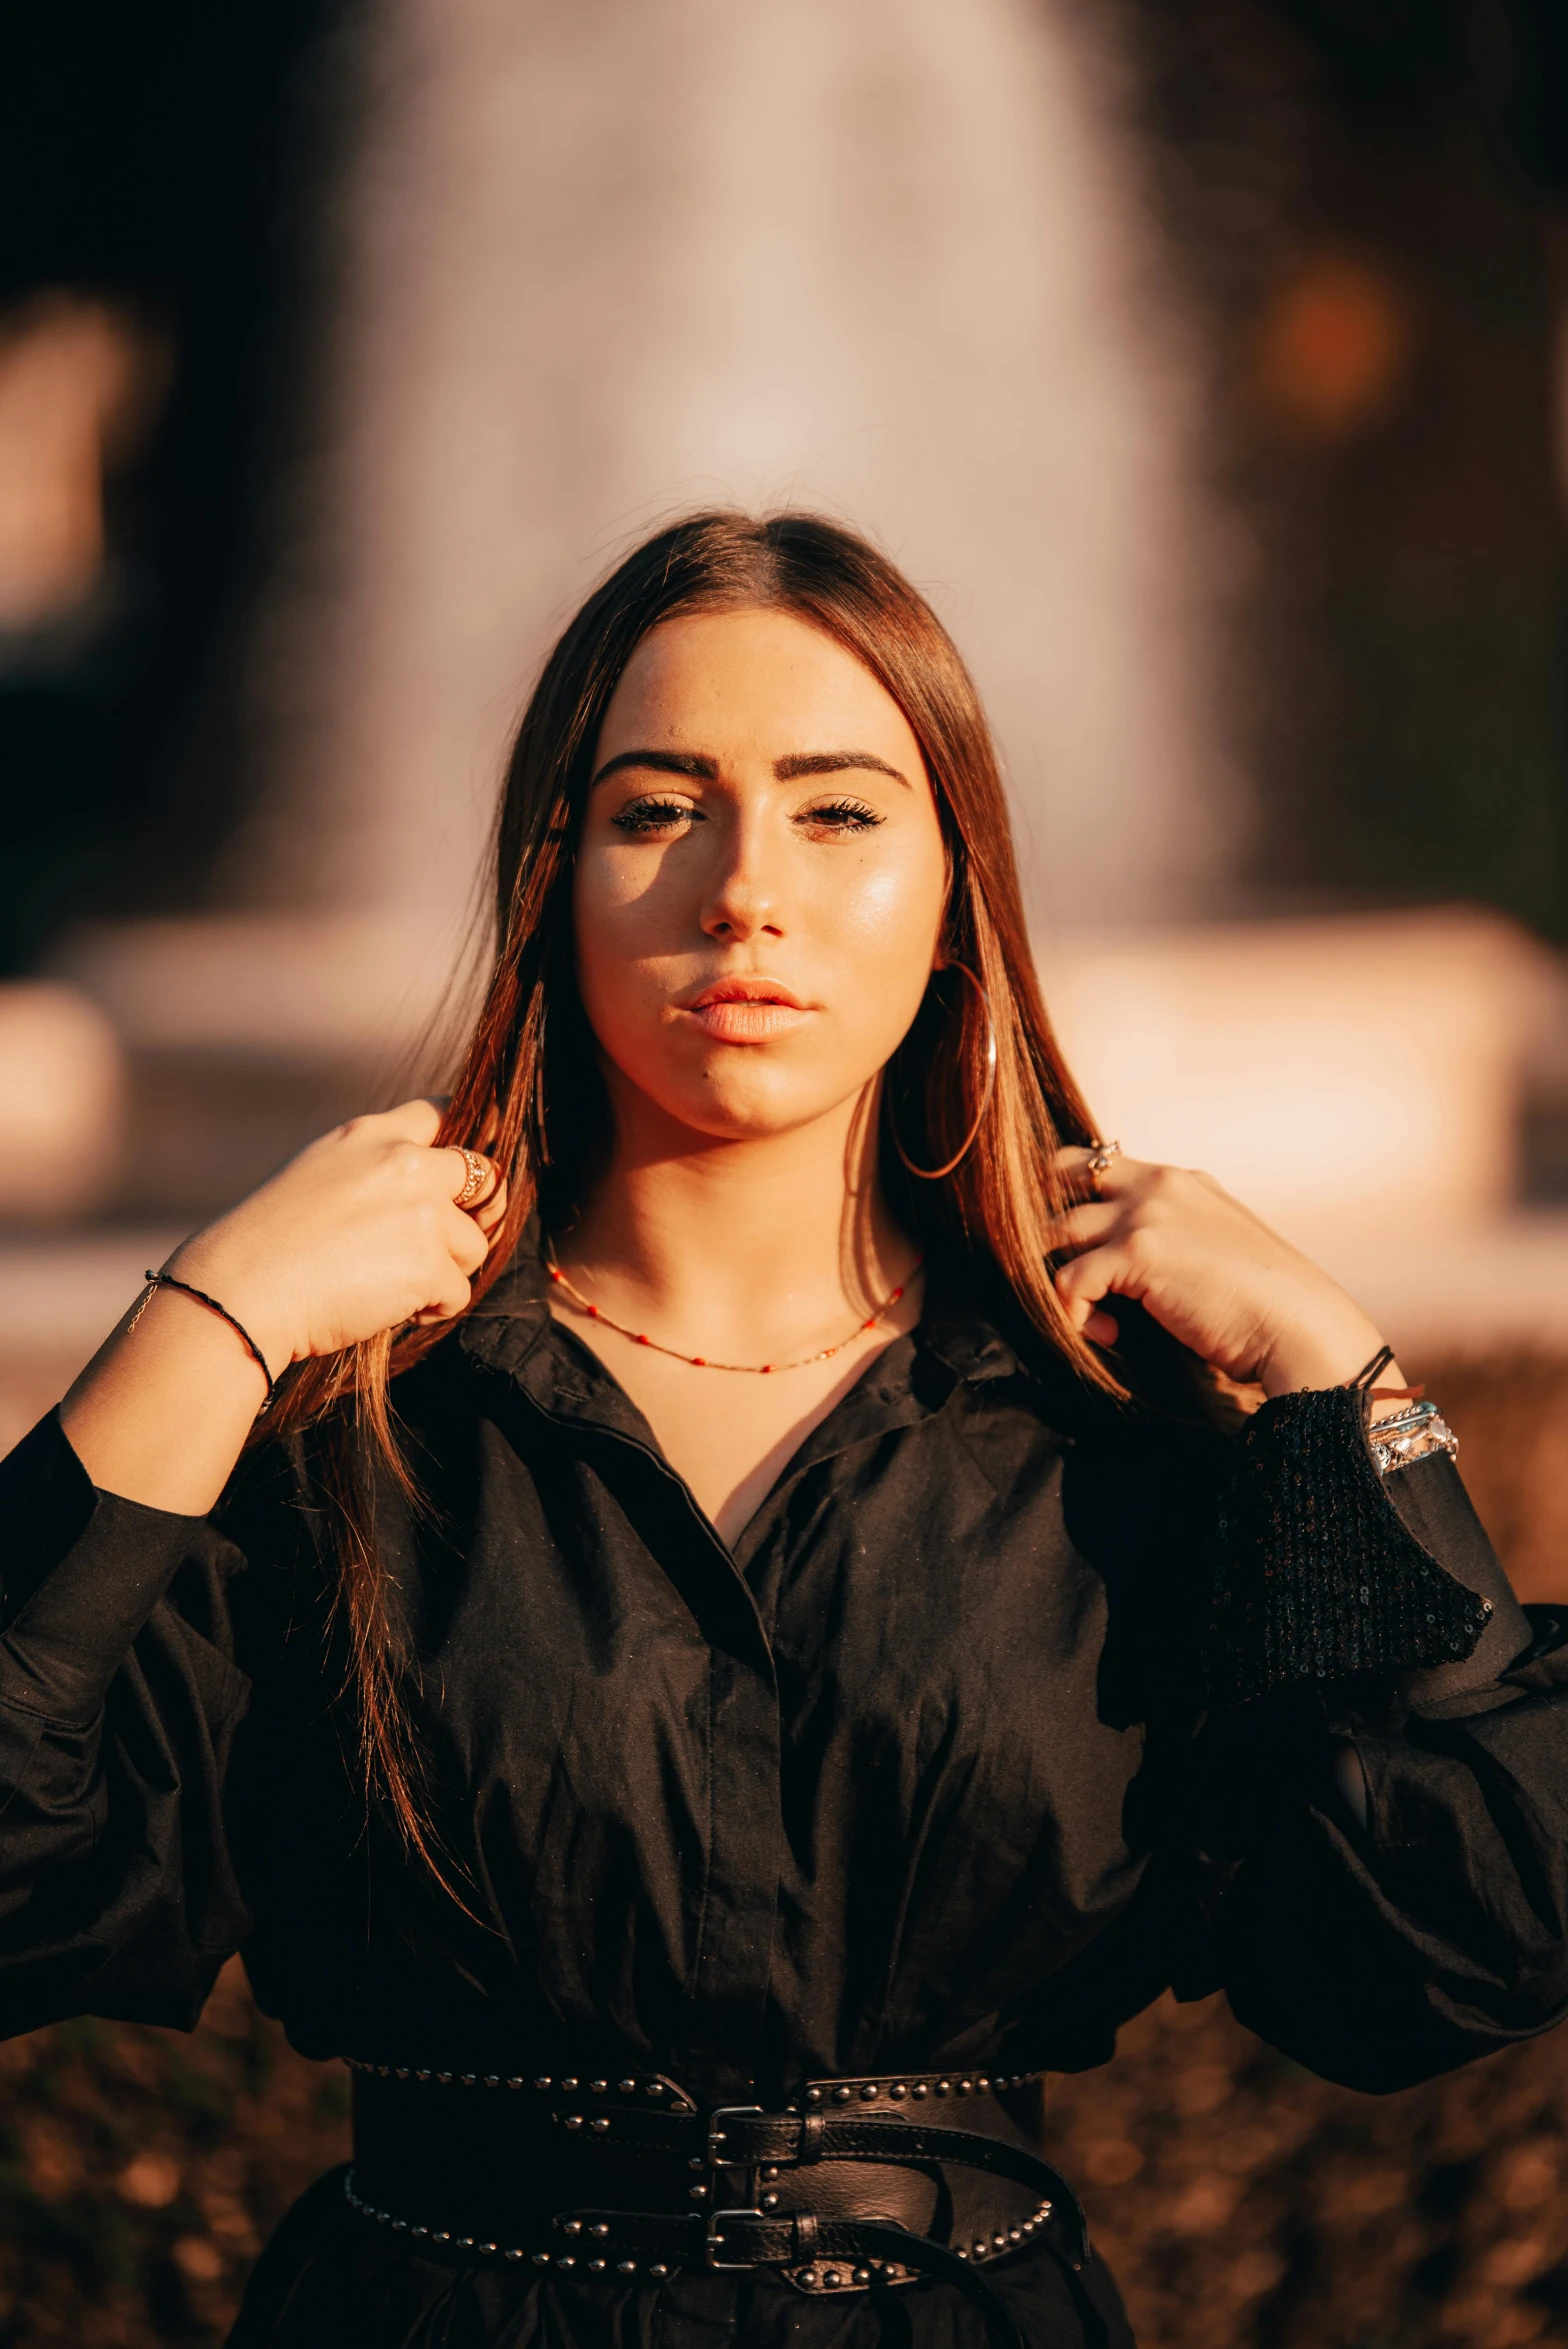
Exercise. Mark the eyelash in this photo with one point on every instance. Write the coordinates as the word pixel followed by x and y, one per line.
pixel 860 818
pixel 662 815
pixel 650 815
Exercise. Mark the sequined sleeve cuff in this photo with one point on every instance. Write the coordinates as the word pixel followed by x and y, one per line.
pixel 1316 1576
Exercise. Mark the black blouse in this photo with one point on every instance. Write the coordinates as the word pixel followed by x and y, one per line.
pixel 1010 1708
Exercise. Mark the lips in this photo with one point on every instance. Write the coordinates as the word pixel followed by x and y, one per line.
pixel 745 1010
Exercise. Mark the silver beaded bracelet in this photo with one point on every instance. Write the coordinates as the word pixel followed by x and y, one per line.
pixel 1411 1435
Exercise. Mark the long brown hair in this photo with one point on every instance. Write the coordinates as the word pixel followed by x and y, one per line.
pixel 527 1089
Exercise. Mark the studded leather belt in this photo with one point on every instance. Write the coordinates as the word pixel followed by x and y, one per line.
pixel 854 2185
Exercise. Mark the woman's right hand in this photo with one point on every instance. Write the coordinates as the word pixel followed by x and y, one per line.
pixel 360 1233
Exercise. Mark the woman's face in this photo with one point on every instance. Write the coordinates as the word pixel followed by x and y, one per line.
pixel 760 881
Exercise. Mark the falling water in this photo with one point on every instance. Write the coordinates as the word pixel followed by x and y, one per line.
pixel 600 262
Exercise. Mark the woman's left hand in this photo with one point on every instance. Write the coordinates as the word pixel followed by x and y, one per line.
pixel 1210 1272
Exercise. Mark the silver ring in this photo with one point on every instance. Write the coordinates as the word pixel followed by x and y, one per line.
pixel 477 1177
pixel 1103 1156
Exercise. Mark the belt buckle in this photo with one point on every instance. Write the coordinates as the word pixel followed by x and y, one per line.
pixel 722 2112
pixel 714 2241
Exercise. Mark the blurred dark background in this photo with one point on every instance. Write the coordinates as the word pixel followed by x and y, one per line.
pixel 157 167
pixel 1371 199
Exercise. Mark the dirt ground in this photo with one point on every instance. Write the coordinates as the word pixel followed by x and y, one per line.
pixel 1243 2203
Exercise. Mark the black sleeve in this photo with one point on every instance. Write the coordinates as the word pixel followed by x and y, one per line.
pixel 1384 1938
pixel 118 1704
pixel 1320 1576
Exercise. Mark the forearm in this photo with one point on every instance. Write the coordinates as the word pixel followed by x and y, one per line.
pixel 162 1412
pixel 1327 1342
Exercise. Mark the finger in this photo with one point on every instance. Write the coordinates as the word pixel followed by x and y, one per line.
pixel 1099 1272
pixel 1083 1285
pixel 466 1244
pixel 452 1299
pixel 1091 1321
pixel 489 1215
pixel 1085 1226
pixel 474 1177
pixel 413 1121
pixel 451 1288
pixel 1089 1182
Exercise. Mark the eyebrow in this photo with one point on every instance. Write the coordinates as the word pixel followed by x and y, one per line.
pixel 664 762
pixel 705 770
pixel 834 762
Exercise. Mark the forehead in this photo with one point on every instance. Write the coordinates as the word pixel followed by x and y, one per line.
pixel 710 679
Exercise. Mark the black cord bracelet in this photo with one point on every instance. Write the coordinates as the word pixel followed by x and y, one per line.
pixel 166 1280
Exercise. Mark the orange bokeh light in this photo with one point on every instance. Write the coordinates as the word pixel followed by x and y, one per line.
pixel 1332 347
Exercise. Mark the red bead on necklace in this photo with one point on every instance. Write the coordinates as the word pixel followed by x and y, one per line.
pixel 700 1361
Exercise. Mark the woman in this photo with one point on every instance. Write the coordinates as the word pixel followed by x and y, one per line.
pixel 804 1661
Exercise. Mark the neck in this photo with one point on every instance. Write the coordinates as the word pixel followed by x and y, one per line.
pixel 740 1241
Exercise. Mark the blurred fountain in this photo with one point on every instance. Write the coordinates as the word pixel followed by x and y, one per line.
pixel 885 258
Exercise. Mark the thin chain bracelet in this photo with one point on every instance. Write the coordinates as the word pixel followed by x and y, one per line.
pixel 166 1280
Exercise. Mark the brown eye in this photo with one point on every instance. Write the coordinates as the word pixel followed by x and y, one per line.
pixel 840 815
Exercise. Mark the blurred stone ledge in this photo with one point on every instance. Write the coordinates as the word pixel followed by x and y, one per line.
pixel 1499 1288
pixel 60 1295
pixel 1369 1085
pixel 63 1102
pixel 243 1036
pixel 1342 1076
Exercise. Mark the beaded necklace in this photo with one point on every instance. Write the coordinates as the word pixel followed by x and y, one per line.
pixel 700 1361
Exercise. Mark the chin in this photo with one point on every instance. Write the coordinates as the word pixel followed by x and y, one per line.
pixel 744 1104
pixel 737 1093
pixel 743 1117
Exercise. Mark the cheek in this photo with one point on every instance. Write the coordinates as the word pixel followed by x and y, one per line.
pixel 603 897
pixel 637 904
pixel 610 920
pixel 886 915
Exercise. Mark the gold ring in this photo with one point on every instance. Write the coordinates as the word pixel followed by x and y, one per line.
pixel 1103 1156
pixel 475 1180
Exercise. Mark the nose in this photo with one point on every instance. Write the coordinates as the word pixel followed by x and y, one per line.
pixel 744 898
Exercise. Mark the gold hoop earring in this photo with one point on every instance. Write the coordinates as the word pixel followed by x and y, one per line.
pixel 934 1174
